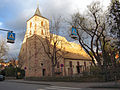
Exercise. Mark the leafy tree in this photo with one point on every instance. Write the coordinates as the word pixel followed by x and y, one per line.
pixel 114 17
pixel 114 21
pixel 10 71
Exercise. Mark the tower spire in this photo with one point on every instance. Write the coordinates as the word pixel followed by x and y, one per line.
pixel 37 3
pixel 37 12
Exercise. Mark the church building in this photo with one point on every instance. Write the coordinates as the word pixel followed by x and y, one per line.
pixel 34 60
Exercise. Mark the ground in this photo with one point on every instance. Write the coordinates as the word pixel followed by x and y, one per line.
pixel 32 85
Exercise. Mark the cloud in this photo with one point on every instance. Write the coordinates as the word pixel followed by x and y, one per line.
pixel 21 10
pixel 15 13
pixel 1 24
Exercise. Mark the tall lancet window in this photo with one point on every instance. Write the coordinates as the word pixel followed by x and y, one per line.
pixel 30 24
pixel 42 23
pixel 35 28
pixel 41 32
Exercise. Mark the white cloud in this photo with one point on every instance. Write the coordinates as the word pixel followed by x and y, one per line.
pixel 63 7
pixel 26 8
pixel 1 23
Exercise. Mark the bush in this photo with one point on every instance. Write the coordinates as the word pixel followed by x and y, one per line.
pixel 66 79
pixel 20 73
pixel 96 71
pixel 11 71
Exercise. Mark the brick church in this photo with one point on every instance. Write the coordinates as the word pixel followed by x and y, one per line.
pixel 32 56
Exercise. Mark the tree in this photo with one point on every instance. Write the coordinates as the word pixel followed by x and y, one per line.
pixel 53 45
pixel 114 17
pixel 114 21
pixel 3 50
pixel 94 36
pixel 92 33
pixel 114 24
pixel 13 60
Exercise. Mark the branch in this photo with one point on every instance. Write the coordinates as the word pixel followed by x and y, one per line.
pixel 48 54
pixel 85 48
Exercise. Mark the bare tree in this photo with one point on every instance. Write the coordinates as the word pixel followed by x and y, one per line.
pixel 13 59
pixel 3 49
pixel 53 45
pixel 92 32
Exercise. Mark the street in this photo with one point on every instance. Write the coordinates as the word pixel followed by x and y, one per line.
pixel 8 85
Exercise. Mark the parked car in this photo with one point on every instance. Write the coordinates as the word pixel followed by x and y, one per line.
pixel 2 77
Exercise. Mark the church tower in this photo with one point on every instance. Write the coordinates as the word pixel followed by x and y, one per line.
pixel 37 24
pixel 32 52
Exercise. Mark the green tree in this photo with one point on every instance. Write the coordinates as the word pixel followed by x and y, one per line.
pixel 114 21
pixel 10 71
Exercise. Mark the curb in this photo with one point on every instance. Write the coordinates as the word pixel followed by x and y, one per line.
pixel 117 86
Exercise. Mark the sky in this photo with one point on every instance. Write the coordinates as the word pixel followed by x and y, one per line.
pixel 15 13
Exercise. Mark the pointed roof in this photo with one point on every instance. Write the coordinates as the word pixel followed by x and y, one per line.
pixel 37 12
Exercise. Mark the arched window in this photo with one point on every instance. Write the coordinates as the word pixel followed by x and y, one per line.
pixel 30 24
pixel 42 23
pixel 41 32
pixel 70 63
pixel 78 63
pixel 85 65
pixel 35 26
pixel 57 64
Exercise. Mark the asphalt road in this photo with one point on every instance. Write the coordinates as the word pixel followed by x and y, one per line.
pixel 5 85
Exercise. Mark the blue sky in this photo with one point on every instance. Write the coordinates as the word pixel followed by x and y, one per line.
pixel 15 13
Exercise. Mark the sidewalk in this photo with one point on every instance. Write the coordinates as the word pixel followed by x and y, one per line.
pixel 73 84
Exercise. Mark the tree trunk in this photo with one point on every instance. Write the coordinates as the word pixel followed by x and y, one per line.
pixel 53 67
pixel 53 70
